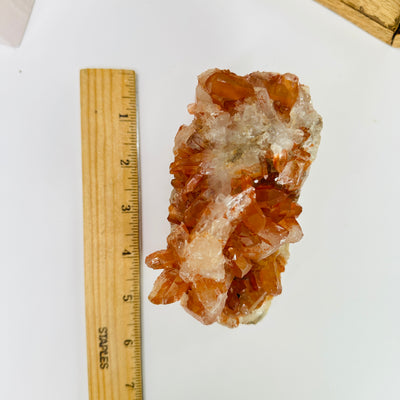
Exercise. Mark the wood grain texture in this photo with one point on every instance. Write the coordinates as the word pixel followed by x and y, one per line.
pixel 384 12
pixel 396 40
pixel 111 234
pixel 380 18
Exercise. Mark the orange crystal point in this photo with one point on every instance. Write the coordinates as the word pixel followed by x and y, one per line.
pixel 206 298
pixel 225 87
pixel 238 170
pixel 168 288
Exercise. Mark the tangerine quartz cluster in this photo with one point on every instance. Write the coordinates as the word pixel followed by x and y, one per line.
pixel 238 170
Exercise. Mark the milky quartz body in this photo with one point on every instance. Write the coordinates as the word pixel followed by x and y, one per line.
pixel 238 170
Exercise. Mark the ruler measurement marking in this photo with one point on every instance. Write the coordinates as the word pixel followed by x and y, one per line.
pixel 129 122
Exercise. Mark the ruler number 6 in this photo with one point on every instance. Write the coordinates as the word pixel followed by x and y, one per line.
pixel 128 342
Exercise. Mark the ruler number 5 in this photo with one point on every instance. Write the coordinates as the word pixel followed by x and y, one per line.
pixel 127 297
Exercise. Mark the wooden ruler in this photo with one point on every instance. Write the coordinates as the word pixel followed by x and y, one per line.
pixel 111 233
pixel 380 18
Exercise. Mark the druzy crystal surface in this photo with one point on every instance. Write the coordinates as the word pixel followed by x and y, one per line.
pixel 238 170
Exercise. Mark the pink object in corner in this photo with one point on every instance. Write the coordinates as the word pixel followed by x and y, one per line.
pixel 14 17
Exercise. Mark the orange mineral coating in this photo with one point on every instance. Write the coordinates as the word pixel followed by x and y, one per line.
pixel 237 174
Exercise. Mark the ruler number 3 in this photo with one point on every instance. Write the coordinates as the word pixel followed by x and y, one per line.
pixel 125 208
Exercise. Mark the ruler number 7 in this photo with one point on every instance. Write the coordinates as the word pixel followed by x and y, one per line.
pixel 130 385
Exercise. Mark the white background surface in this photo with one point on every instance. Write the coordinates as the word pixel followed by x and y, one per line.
pixel 334 333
